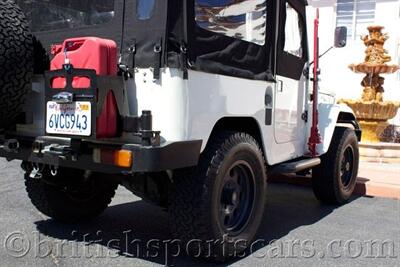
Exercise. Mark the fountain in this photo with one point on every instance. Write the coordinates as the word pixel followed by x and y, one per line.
pixel 371 110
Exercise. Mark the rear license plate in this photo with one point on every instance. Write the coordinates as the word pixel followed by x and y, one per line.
pixel 69 119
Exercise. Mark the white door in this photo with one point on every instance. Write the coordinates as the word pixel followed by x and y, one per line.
pixel 289 107
pixel 290 87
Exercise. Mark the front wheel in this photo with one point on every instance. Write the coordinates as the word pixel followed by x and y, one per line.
pixel 71 195
pixel 221 203
pixel 335 179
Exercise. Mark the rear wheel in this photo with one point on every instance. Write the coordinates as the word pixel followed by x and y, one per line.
pixel 16 62
pixel 335 179
pixel 70 196
pixel 221 203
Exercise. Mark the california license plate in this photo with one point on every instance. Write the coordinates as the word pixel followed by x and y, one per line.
pixel 69 119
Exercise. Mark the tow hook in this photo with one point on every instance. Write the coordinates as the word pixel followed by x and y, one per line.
pixel 36 172
pixel 53 171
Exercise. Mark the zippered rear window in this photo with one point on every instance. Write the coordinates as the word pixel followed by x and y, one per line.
pixel 66 14
pixel 244 19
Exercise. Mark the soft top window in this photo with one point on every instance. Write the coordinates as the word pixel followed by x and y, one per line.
pixel 231 37
pixel 293 32
pixel 241 19
pixel 292 40
pixel 66 14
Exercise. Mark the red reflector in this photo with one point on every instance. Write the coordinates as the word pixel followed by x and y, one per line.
pixel 107 156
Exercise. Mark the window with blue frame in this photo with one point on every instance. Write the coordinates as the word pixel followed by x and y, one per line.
pixel 144 9
pixel 241 19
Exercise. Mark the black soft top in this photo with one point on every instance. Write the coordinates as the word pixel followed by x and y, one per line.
pixel 171 37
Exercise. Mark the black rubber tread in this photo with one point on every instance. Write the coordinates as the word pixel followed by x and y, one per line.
pixel 16 62
pixel 190 198
pixel 326 177
pixel 55 201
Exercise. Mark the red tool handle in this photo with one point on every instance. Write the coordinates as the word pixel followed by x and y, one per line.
pixel 315 137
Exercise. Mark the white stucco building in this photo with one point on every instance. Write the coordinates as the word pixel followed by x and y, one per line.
pixel 356 15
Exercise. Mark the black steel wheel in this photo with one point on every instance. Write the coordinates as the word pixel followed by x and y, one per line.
pixel 347 167
pixel 335 179
pixel 237 197
pixel 222 200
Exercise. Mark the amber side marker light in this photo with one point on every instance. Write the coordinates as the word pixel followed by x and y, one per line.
pixel 123 158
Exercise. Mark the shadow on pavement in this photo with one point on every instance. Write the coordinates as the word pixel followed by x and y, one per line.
pixel 126 227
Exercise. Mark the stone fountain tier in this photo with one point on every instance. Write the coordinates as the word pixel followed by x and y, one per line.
pixel 372 116
pixel 373 110
pixel 368 68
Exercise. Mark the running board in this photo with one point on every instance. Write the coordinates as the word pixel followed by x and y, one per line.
pixel 295 166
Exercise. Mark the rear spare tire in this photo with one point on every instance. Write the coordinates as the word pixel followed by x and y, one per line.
pixel 16 62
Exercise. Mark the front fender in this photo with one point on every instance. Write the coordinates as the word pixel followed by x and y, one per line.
pixel 329 116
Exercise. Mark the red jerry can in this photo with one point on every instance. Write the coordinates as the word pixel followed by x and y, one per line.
pixel 95 54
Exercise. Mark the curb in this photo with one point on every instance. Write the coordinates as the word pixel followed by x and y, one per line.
pixel 380 152
pixel 364 186
pixel 367 188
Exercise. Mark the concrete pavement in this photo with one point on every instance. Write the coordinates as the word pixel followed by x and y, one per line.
pixel 296 231
pixel 374 179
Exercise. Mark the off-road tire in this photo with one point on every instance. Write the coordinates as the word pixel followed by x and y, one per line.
pixel 328 181
pixel 194 198
pixel 16 62
pixel 70 197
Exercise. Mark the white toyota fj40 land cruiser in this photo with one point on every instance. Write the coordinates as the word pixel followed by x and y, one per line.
pixel 206 101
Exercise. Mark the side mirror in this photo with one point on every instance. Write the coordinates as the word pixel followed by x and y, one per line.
pixel 340 37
